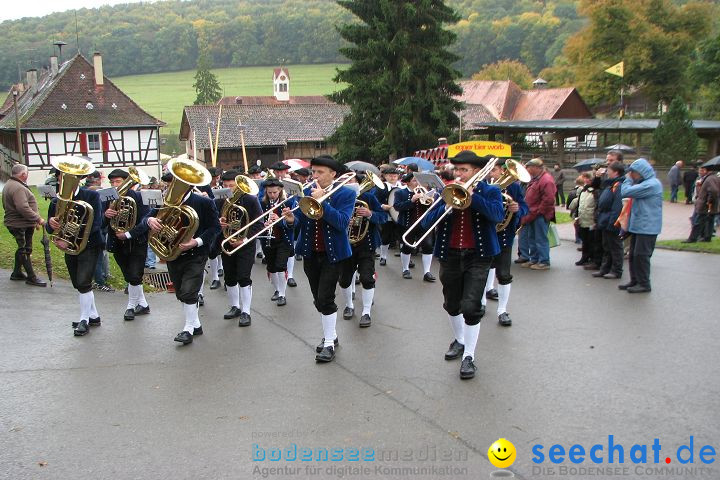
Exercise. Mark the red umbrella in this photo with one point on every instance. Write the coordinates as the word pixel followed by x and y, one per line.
pixel 296 163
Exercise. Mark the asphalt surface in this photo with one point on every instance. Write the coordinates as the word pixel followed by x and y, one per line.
pixel 582 361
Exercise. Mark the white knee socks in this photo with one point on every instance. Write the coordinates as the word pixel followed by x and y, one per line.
pixel 347 293
pixel 246 298
pixel 503 297
pixel 214 267
pixel 427 261
pixel 93 313
pixel 202 285
pixel 192 319
pixel 384 251
pixel 489 284
pixel 234 295
pixel 471 332
pixel 456 323
pixel 281 283
pixel 85 300
pixel 328 322
pixel 291 266
pixel 136 296
pixel 405 261
pixel 367 299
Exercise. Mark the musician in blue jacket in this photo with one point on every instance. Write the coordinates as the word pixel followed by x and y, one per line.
pixel 324 245
pixel 411 205
pixel 363 255
pixel 466 244
pixel 129 248
pixel 501 263
pixel 186 271
pixel 81 267
pixel 279 248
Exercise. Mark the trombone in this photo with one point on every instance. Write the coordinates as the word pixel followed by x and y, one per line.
pixel 456 196
pixel 308 205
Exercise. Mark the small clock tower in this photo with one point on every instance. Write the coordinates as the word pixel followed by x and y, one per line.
pixel 281 84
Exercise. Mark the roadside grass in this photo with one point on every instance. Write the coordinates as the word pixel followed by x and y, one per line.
pixel 704 247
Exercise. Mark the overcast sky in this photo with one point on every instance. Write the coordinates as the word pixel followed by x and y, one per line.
pixel 40 8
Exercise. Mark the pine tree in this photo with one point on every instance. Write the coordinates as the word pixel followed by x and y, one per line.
pixel 675 138
pixel 400 84
pixel 206 83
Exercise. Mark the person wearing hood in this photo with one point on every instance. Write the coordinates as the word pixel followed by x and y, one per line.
pixel 645 192
pixel 608 210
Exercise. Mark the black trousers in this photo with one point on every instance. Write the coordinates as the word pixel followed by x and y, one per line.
pixel 641 249
pixel 23 238
pixel 276 255
pixel 703 227
pixel 559 195
pixel 463 275
pixel 323 278
pixel 362 260
pixel 130 257
pixel 81 267
pixel 426 247
pixel 613 250
pixel 591 245
pixel 186 273
pixel 501 263
pixel 389 232
pixel 238 267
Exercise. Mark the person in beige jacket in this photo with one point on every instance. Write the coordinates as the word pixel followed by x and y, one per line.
pixel 21 220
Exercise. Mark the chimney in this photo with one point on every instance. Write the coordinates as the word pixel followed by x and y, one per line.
pixel 31 77
pixel 97 65
pixel 539 84
pixel 53 66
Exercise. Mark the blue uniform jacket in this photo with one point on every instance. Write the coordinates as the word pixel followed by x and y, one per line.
pixel 93 198
pixel 287 230
pixel 138 234
pixel 209 225
pixel 507 237
pixel 378 217
pixel 487 211
pixel 336 218
pixel 249 203
pixel 404 206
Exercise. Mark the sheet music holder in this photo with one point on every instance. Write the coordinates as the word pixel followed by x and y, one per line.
pixel 152 198
pixel 222 193
pixel 429 181
pixel 47 191
pixel 292 187
pixel 108 194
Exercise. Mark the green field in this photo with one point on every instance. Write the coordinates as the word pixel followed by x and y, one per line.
pixel 165 94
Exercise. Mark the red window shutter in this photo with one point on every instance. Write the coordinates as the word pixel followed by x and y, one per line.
pixel 105 142
pixel 83 143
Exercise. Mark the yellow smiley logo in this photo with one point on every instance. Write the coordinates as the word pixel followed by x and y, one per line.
pixel 501 453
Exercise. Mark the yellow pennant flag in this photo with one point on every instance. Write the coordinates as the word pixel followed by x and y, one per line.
pixel 618 69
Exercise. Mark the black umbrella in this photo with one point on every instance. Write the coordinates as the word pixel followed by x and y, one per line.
pixel 712 164
pixel 588 164
pixel 621 147
pixel 48 259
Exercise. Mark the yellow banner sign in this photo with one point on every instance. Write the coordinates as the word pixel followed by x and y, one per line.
pixel 481 148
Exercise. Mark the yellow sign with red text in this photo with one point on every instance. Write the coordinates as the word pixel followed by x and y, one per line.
pixel 496 149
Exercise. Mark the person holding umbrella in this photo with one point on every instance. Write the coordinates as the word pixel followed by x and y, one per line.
pixel 21 219
pixel 707 205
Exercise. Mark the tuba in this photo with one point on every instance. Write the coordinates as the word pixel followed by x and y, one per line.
pixel 75 216
pixel 179 222
pixel 359 226
pixel 126 206
pixel 513 171
pixel 236 216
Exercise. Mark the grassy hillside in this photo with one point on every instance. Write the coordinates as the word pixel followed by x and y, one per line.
pixel 165 94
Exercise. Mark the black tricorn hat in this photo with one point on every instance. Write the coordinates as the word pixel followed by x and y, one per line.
pixel 229 175
pixel 279 166
pixel 117 173
pixel 272 182
pixel 329 162
pixel 471 158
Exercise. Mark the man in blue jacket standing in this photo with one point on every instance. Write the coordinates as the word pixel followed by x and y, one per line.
pixel 645 191
pixel 608 210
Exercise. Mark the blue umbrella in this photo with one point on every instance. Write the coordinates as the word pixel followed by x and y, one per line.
pixel 588 164
pixel 423 165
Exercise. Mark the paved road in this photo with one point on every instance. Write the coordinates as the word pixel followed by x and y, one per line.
pixel 582 361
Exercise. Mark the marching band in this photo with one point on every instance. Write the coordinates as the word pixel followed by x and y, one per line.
pixel 337 221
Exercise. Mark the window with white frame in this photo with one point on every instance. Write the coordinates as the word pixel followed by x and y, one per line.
pixel 94 144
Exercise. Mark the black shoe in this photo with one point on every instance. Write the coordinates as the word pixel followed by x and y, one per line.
pixel 260 255
pixel 491 294
pixel 244 320
pixel 504 319
pixel 591 266
pixel 412 264
pixel 291 282
pixel 456 349
pixel 397 254
pixel 35 282
pixel 467 368
pixel 234 312
pixel 365 321
pixel 625 286
pixel 125 291
pixel 357 280
pixel 197 331
pixel 612 276
pixel 599 274
pixel 81 329
pixel 348 313
pixel 215 284
pixel 201 300
pixel 326 355
pixel 429 277
pixel 383 262
pixel 407 275
pixel 321 345
pixel 281 301
pixel 298 258
pixel 184 337
pixel 581 262
pixel 18 276
pixel 264 261
pixel 140 310
pixel 93 322
pixel 521 260
pixel 221 272
pixel 129 315
pixel 275 296
pixel 638 289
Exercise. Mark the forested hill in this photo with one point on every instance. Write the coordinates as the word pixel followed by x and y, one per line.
pixel 169 35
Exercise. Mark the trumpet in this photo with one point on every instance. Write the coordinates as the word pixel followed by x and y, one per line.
pixel 235 215
pixel 427 195
pixel 359 226
pixel 456 196
pixel 312 207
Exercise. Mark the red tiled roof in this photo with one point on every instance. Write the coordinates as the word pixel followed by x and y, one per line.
pixel 276 72
pixel 270 100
